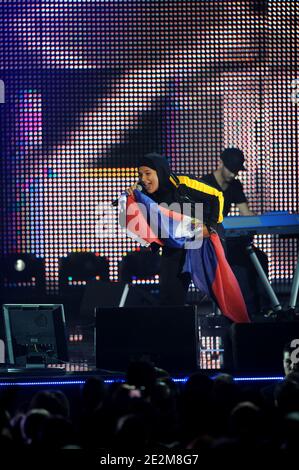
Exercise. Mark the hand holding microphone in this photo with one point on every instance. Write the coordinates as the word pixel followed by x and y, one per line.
pixel 129 191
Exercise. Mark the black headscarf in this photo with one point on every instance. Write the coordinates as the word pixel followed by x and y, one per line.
pixel 159 163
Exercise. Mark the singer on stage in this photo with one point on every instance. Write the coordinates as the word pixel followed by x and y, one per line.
pixel 161 185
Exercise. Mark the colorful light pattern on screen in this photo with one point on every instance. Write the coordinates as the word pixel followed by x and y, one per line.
pixel 92 85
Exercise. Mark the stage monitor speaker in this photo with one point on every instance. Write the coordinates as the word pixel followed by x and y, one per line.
pixel 258 347
pixel 110 294
pixel 164 336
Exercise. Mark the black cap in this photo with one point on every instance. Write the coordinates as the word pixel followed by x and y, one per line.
pixel 233 159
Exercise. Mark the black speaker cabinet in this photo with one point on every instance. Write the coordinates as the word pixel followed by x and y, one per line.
pixel 165 336
pixel 257 347
pixel 110 294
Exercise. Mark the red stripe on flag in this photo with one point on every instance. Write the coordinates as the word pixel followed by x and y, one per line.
pixel 137 223
pixel 226 288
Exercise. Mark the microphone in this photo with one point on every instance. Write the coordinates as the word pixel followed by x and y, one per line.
pixel 115 202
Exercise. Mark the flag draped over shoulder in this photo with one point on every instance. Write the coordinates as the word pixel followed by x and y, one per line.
pixel 205 261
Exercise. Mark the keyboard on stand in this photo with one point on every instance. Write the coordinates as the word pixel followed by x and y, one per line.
pixel 274 223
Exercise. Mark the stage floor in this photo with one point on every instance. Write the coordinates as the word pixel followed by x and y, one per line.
pixel 242 350
pixel 10 377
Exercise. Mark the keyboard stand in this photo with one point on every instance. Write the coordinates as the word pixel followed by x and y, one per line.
pixel 275 304
pixel 124 296
pixel 295 288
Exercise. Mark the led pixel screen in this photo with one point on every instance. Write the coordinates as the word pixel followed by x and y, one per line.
pixel 90 86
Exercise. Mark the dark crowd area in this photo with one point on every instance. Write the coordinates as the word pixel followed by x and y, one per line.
pixel 150 411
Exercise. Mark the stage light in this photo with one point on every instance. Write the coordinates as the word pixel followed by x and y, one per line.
pixel 142 264
pixel 22 270
pixel 79 267
pixel 20 265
